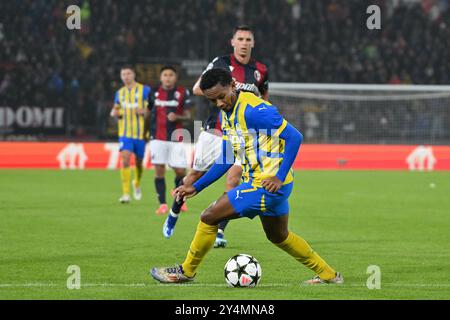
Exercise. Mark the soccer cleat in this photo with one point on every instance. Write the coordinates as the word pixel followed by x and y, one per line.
pixel 220 243
pixel 125 198
pixel 169 225
pixel 137 192
pixel 339 279
pixel 162 209
pixel 184 207
pixel 170 275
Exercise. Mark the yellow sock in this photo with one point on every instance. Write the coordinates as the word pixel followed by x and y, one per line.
pixel 137 175
pixel 302 252
pixel 203 241
pixel 126 178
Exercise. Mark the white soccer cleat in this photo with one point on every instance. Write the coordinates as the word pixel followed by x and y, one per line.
pixel 220 243
pixel 339 279
pixel 137 192
pixel 170 275
pixel 125 198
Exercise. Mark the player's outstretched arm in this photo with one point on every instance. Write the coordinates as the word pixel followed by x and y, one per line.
pixel 213 174
pixel 184 192
pixel 222 164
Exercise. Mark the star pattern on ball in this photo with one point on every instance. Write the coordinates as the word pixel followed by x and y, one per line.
pixel 242 270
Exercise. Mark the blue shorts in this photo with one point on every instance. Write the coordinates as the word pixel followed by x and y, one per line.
pixel 249 201
pixel 137 146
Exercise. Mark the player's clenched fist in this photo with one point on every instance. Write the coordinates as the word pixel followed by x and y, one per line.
pixel 115 112
pixel 184 192
pixel 272 184
pixel 172 117
pixel 141 111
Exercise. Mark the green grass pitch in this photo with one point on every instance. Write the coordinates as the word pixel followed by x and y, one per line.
pixel 50 219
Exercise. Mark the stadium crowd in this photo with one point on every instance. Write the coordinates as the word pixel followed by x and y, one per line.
pixel 44 63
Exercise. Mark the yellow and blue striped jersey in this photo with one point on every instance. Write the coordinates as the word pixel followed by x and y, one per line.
pixel 253 127
pixel 131 124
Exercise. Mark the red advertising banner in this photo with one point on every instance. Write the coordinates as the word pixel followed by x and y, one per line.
pixel 70 155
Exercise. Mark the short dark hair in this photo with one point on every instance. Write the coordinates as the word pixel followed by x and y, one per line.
pixel 214 76
pixel 242 27
pixel 127 66
pixel 168 67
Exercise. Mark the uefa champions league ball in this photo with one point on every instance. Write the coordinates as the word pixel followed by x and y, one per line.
pixel 242 270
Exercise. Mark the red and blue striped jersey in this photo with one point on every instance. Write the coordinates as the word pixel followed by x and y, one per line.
pixel 161 103
pixel 252 77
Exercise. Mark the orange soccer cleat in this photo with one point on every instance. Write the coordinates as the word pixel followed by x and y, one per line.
pixel 162 209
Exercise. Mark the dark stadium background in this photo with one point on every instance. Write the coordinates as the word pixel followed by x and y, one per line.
pixel 43 64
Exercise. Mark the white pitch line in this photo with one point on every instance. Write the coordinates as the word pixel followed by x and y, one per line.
pixel 17 285
pixel 307 285
pixel 144 285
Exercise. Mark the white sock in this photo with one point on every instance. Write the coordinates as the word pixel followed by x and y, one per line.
pixel 173 214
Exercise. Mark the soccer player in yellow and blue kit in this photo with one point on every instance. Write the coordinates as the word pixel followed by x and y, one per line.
pixel 267 146
pixel 130 107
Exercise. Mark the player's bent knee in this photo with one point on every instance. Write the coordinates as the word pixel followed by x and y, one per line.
pixel 180 173
pixel 209 217
pixel 125 161
pixel 277 237
pixel 125 164
pixel 160 170
pixel 233 182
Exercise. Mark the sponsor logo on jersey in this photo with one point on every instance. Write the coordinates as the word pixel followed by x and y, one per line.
pixel 247 87
pixel 129 105
pixel 166 103
pixel 257 75
pixel 238 128
pixel 237 141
